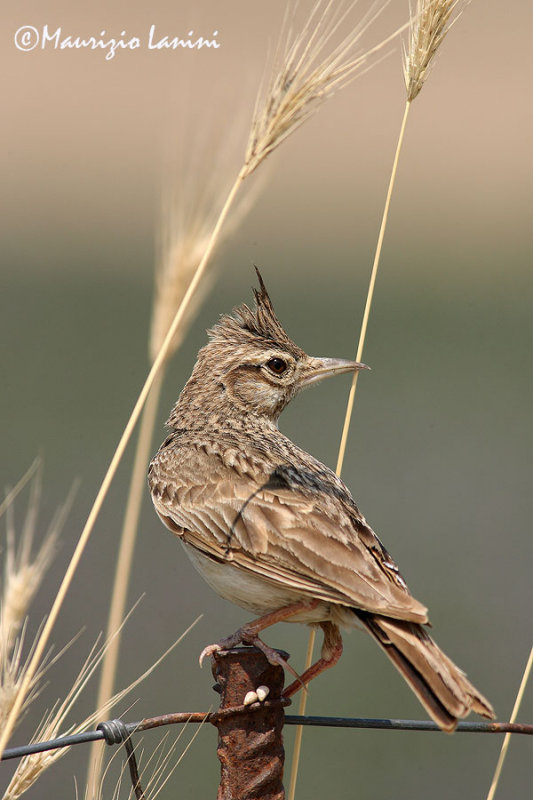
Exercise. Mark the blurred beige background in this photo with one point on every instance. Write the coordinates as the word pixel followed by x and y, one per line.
pixel 439 456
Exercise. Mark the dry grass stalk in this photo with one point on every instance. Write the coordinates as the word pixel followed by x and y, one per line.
pixel 430 25
pixel 12 493
pixel 99 793
pixel 507 737
pixel 370 293
pixel 302 706
pixel 30 768
pixel 188 218
pixel 428 28
pixel 281 118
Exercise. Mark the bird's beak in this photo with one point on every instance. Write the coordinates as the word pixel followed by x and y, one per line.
pixel 320 368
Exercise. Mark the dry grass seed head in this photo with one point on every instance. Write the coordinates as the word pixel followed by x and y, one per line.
pixel 12 669
pixel 190 208
pixel 24 571
pixel 430 24
pixel 31 767
pixel 305 73
pixel 180 254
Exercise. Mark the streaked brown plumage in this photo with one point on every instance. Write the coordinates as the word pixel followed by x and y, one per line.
pixel 275 531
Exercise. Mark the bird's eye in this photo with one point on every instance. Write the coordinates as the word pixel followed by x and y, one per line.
pixel 277 366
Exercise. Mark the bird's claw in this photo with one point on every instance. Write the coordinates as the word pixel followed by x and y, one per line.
pixel 208 651
pixel 239 637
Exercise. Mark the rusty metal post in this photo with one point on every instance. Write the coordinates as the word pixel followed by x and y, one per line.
pixel 250 744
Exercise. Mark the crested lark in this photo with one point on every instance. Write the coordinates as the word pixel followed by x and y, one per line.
pixel 275 531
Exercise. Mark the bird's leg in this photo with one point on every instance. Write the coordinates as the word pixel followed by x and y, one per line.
pixel 248 634
pixel 330 654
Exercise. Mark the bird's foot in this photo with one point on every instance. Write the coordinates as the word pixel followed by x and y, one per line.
pixel 247 635
pixel 331 652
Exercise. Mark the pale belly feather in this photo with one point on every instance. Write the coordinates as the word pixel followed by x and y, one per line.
pixel 252 592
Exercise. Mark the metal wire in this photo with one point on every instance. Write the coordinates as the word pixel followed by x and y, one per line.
pixel 409 724
pixel 52 744
pixel 116 732
pixel 184 717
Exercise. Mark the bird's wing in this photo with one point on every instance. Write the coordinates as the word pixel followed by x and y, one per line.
pixel 307 541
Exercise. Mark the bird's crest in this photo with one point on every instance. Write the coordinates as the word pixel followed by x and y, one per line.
pixel 260 323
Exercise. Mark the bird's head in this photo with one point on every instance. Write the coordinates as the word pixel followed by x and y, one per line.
pixel 253 363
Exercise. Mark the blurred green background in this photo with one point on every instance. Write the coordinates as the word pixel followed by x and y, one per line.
pixel 439 457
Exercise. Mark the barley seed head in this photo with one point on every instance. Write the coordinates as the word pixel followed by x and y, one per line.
pixel 430 24
pixel 308 68
pixel 190 207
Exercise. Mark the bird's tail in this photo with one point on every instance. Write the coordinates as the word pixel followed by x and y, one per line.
pixel 441 687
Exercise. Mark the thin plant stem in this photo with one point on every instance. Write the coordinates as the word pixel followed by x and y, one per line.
pixel 301 712
pixel 351 397
pixel 434 22
pixel 113 466
pixel 123 568
pixel 507 738
pixel 370 294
